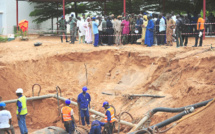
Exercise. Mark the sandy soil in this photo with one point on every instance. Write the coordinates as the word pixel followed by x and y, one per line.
pixel 183 75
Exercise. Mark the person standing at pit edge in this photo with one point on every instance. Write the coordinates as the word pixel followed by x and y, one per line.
pixel 5 120
pixel 62 26
pixel 83 103
pixel 68 118
pixel 21 111
pixel 200 30
pixel 95 31
pixel 109 118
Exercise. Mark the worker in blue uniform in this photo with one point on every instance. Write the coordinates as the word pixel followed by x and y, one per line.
pixel 96 127
pixel 84 105
pixel 109 118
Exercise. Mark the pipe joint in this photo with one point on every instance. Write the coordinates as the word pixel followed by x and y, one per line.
pixel 189 110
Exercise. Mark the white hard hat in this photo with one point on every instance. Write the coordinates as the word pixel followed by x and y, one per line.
pixel 19 90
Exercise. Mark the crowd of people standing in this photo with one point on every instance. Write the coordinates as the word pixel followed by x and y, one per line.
pixel 146 29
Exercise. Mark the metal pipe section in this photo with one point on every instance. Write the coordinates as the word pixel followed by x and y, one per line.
pixel 72 102
pixel 146 95
pixel 31 98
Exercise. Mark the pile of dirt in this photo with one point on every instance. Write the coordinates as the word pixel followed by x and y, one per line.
pixel 183 75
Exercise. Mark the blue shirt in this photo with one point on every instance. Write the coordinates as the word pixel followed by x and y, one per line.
pixel 108 115
pixel 19 105
pixel 84 100
pixel 96 127
pixel 139 22
pixel 95 27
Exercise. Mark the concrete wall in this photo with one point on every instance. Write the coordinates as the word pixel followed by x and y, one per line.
pixel 3 16
pixel 8 10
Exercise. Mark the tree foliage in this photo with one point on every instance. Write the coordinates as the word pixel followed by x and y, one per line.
pixel 45 11
pixel 140 6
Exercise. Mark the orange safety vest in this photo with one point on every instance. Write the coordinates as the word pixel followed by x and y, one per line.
pixel 202 24
pixel 112 115
pixel 66 111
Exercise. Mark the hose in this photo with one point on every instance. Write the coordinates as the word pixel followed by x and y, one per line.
pixel 180 120
pixel 172 119
pixel 58 103
pixel 33 92
pixel 155 130
pixel 33 89
pixel 143 131
pixel 164 131
pixel 171 110
pixel 120 119
pixel 113 108
pixel 176 110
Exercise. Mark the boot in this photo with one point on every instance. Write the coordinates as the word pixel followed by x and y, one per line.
pixel 66 39
pixel 61 39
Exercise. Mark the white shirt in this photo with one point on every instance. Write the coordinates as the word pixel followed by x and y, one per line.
pixel 84 20
pixel 162 25
pixel 100 26
pixel 5 116
pixel 72 112
pixel 174 18
pixel 80 24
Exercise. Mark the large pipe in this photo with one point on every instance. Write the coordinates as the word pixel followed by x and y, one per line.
pixel 31 98
pixel 176 110
pixel 170 110
pixel 174 118
pixel 72 102
pixel 145 95
pixel 166 122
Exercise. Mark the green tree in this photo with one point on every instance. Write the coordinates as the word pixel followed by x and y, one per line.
pixel 140 6
pixel 45 11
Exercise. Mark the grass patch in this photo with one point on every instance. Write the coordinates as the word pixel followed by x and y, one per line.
pixel 3 39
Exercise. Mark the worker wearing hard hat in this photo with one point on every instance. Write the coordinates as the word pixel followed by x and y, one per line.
pixel 68 118
pixel 83 103
pixel 109 118
pixel 5 120
pixel 21 111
